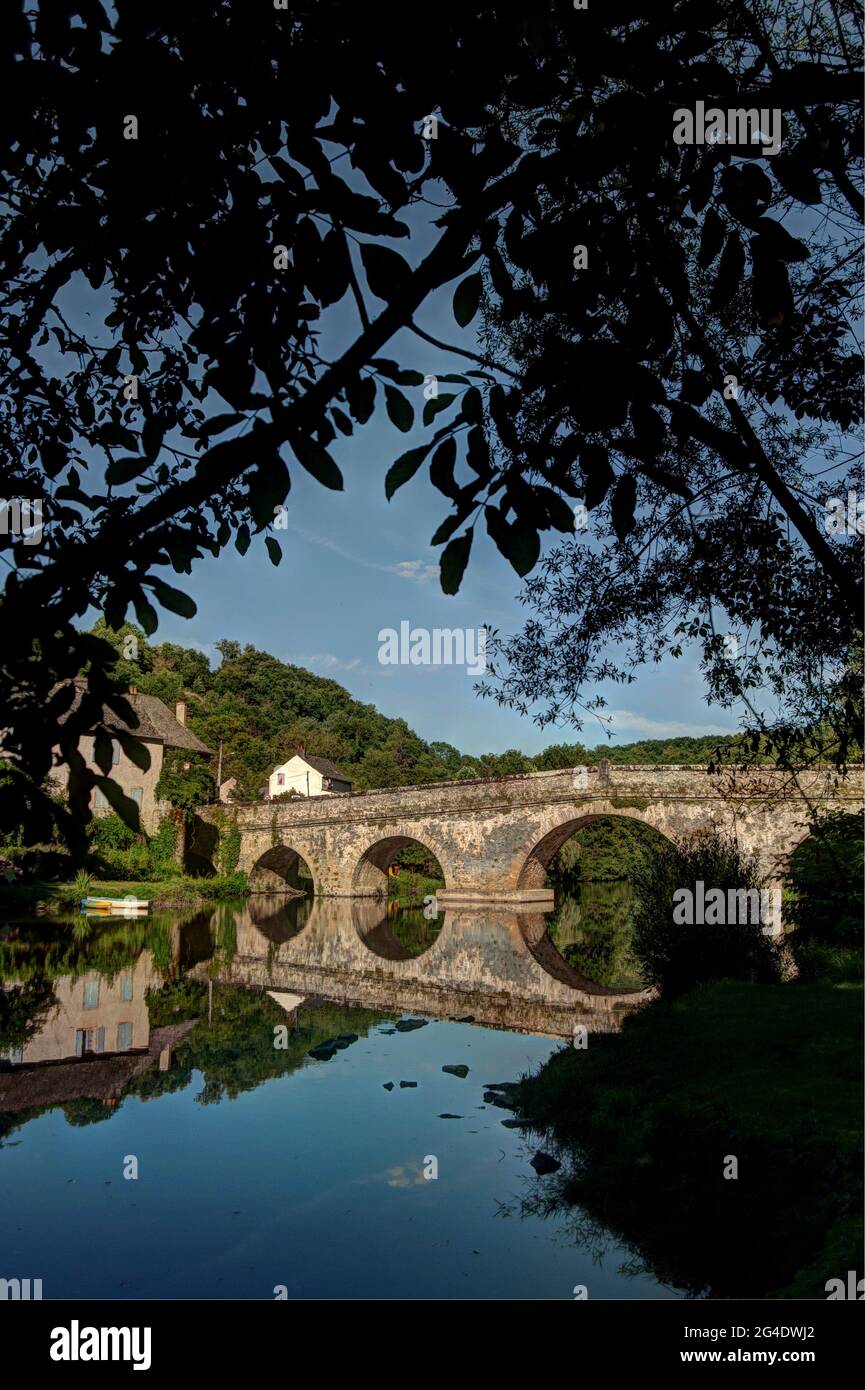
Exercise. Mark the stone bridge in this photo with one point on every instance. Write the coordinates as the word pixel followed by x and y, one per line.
pixel 494 839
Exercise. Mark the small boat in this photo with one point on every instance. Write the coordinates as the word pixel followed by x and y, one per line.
pixel 114 904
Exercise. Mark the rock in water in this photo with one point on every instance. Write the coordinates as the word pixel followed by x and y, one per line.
pixel 460 1069
pixel 493 1098
pixel 543 1163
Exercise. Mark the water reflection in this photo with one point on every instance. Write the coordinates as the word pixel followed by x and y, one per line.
pixel 184 1041
pixel 84 1011
pixel 592 928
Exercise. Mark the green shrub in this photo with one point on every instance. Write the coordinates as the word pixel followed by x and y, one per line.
pixel 824 883
pixel 229 848
pixel 816 961
pixel 163 844
pixel 110 832
pixel 676 956
pixel 230 886
pixel 40 862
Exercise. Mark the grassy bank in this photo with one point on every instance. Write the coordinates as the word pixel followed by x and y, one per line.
pixel 177 891
pixel 646 1121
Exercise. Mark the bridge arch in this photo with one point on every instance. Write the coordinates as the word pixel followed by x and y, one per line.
pixel 280 868
pixel 400 935
pixel 533 872
pixel 371 870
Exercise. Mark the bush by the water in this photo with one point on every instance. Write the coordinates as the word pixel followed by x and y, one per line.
pixel 675 956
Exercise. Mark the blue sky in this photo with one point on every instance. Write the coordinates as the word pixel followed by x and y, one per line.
pixel 354 564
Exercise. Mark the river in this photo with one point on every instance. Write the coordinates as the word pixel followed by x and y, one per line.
pixel 165 1131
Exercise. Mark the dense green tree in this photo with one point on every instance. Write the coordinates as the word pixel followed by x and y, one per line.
pixel 222 253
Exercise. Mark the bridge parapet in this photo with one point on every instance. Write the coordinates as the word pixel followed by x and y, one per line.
pixel 494 838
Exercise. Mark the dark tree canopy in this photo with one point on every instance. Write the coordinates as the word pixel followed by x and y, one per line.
pixel 212 236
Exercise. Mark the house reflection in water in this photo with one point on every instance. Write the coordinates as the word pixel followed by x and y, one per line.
pixel 94 1041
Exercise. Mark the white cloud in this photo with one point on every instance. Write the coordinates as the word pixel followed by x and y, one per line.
pixel 328 661
pixel 416 570
pixel 626 721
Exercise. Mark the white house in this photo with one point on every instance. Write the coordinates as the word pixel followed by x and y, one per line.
pixel 307 776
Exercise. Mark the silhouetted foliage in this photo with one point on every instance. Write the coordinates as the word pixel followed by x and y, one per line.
pixel 675 955
pixel 187 253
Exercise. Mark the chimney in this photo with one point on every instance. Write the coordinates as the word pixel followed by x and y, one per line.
pixel 180 712
pixel 300 749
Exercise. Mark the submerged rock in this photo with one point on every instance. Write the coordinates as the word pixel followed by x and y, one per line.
pixel 388 1086
pixel 543 1163
pixel 323 1052
pixel 446 1116
pixel 404 1084
pixel 494 1098
pixel 460 1069
pixel 408 1025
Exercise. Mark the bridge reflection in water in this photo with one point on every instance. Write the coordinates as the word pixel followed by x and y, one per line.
pixel 498 966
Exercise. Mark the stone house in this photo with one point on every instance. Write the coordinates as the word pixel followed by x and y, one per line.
pixel 158 728
pixel 307 776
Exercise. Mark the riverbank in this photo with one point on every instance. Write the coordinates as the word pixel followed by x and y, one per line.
pixel 646 1124
pixel 180 891
pixel 410 889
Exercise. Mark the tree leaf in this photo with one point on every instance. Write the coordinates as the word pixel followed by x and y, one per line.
pixel 520 544
pixel 597 473
pixel 473 406
pixel 136 751
pixel 123 470
pixel 145 613
pixel 400 411
pixel 217 423
pixel 172 599
pixel 454 559
pixel 103 751
pixel 273 549
pixel 467 298
pixel 387 273
pixel 360 394
pixel 404 468
pixel 126 808
pixel 623 504
pixel 317 461
pixel 435 404
pixel 441 470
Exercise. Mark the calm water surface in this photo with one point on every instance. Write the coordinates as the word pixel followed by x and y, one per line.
pixel 143 1045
